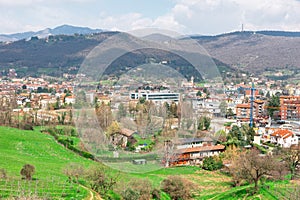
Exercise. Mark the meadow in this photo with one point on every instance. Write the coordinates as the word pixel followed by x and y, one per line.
pixel 19 147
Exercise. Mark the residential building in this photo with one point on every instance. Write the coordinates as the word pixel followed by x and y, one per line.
pixel 284 138
pixel 195 155
pixel 290 107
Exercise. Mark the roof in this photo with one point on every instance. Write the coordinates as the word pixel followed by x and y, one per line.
pixel 204 148
pixel 190 140
pixel 127 132
pixel 283 133
pixel 245 105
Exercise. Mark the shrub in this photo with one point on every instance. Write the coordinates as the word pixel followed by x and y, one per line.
pixel 212 163
pixel 140 189
pixel 27 171
pixel 3 174
pixel 178 187
pixel 155 194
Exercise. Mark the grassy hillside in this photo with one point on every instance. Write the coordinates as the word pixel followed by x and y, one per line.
pixel 19 147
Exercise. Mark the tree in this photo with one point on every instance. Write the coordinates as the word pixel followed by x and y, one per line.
pixel 140 189
pixel 248 134
pixel 252 167
pixel 223 108
pixel 204 123
pixel 113 128
pixel 199 94
pixel 178 187
pixel 273 105
pixel 212 163
pixel 121 111
pixel 102 179
pixel 27 171
pixel 74 171
pixel 291 156
pixel 229 113
pixel 104 115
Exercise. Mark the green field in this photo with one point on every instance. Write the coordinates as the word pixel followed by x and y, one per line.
pixel 19 147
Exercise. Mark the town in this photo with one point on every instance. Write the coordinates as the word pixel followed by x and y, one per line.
pixel 204 121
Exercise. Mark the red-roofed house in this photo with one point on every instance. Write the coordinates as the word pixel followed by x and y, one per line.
pixel 195 155
pixel 284 138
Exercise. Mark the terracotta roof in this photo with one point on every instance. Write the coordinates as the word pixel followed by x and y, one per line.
pixel 283 133
pixel 245 105
pixel 204 148
pixel 258 101
pixel 127 132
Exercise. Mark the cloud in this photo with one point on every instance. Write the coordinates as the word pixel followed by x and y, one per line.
pixel 217 16
pixel 184 16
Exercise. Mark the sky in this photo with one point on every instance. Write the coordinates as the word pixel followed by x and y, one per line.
pixel 204 17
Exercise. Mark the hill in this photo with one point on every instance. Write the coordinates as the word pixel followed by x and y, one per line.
pixel 255 51
pixel 60 30
pixel 19 147
pixel 60 54
pixel 62 51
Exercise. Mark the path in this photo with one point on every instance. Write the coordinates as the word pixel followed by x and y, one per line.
pixel 91 195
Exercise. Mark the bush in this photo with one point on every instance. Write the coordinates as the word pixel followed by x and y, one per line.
pixel 27 171
pixel 212 163
pixel 3 174
pixel 140 189
pixel 178 187
pixel 156 194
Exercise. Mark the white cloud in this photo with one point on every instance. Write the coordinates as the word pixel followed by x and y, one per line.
pixel 217 16
pixel 186 16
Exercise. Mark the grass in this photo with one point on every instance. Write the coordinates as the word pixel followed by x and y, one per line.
pixel 19 147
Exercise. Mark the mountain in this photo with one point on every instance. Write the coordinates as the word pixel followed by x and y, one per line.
pixel 248 51
pixel 255 52
pixel 60 54
pixel 60 30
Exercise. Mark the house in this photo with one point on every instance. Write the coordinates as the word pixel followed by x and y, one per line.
pixel 193 142
pixel 70 99
pixel 121 138
pixel 284 138
pixel 195 155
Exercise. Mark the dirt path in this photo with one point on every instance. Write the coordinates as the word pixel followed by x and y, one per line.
pixel 91 195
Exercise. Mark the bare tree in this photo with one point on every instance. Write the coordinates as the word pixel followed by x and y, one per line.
pixel 74 171
pixel 104 115
pixel 178 187
pixel 292 158
pixel 252 166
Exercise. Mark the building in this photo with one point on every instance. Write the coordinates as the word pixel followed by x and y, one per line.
pixel 290 107
pixel 243 110
pixel 156 97
pixel 284 138
pixel 195 155
pixel 194 142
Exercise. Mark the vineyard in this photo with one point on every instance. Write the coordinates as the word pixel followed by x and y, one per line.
pixel 41 189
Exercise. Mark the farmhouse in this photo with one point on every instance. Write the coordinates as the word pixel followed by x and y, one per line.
pixel 195 155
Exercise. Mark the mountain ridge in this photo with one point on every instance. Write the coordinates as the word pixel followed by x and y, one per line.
pixel 59 30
